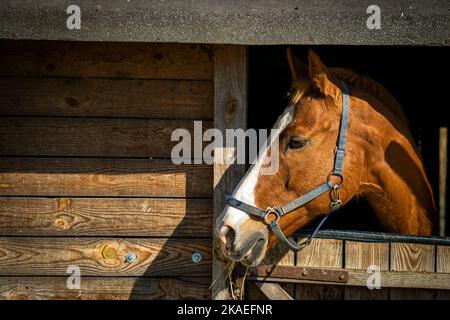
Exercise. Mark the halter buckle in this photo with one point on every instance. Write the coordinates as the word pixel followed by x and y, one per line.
pixel 335 197
pixel 270 211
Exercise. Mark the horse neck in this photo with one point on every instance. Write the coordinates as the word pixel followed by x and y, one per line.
pixel 395 182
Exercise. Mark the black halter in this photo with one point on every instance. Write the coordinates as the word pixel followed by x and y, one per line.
pixel 333 188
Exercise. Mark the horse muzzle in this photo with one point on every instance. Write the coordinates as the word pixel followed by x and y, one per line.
pixel 246 243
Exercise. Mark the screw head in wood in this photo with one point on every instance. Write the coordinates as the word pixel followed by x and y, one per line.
pixel 130 257
pixel 196 257
pixel 341 276
pixel 304 273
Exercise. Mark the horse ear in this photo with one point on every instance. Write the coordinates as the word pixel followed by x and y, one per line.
pixel 322 78
pixel 299 70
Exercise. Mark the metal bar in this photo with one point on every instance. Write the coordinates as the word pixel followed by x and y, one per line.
pixel 374 237
pixel 442 178
pixel 389 279
pixel 305 273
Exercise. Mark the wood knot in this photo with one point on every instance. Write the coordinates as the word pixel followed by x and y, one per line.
pixel 50 67
pixel 63 204
pixel 72 102
pixel 230 109
pixel 167 286
pixel 19 296
pixel 108 252
pixel 61 224
pixel 157 56
pixel 63 221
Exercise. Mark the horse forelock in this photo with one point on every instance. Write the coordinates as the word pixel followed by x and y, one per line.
pixel 354 80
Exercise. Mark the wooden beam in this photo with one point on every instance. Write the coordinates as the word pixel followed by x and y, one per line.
pixel 273 291
pixel 87 97
pixel 262 22
pixel 105 60
pixel 230 112
pixel 68 177
pixel 104 256
pixel 143 217
pixel 104 288
pixel 91 137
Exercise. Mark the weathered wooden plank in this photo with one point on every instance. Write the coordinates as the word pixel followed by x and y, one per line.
pixel 230 111
pixel 443 259
pixel 361 255
pixel 106 59
pixel 93 137
pixel 104 288
pixel 106 98
pixel 443 265
pixel 104 256
pixel 103 177
pixel 273 291
pixel 288 259
pixel 158 217
pixel 412 257
pixel 321 253
pixel 390 279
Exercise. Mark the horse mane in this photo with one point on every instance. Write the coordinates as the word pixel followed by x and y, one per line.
pixel 353 79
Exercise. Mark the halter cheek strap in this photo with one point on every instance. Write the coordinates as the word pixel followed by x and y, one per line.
pixel 299 202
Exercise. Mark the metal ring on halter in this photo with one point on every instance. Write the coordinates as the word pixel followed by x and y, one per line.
pixel 335 185
pixel 269 211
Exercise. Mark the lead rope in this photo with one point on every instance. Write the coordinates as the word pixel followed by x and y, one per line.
pixel 307 242
pixel 334 207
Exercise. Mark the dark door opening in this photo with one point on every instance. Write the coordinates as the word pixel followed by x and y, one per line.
pixel 416 76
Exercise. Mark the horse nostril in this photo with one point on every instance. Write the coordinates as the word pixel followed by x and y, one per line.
pixel 227 236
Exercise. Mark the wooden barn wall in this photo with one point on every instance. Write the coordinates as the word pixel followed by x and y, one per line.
pixel 86 175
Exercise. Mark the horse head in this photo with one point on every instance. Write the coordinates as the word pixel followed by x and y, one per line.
pixel 309 129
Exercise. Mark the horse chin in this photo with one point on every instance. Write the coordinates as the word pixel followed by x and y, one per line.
pixel 256 254
pixel 250 252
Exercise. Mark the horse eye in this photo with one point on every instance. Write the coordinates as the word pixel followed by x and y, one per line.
pixel 297 143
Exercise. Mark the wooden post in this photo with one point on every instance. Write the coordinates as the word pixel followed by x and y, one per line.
pixel 442 178
pixel 230 112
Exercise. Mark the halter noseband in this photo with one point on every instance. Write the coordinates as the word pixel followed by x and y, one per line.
pixel 277 213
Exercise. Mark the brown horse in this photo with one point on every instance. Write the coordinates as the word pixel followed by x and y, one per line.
pixel 381 163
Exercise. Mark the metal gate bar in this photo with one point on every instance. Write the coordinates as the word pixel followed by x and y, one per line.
pixel 368 236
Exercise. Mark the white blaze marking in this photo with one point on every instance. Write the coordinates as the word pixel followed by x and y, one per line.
pixel 245 190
